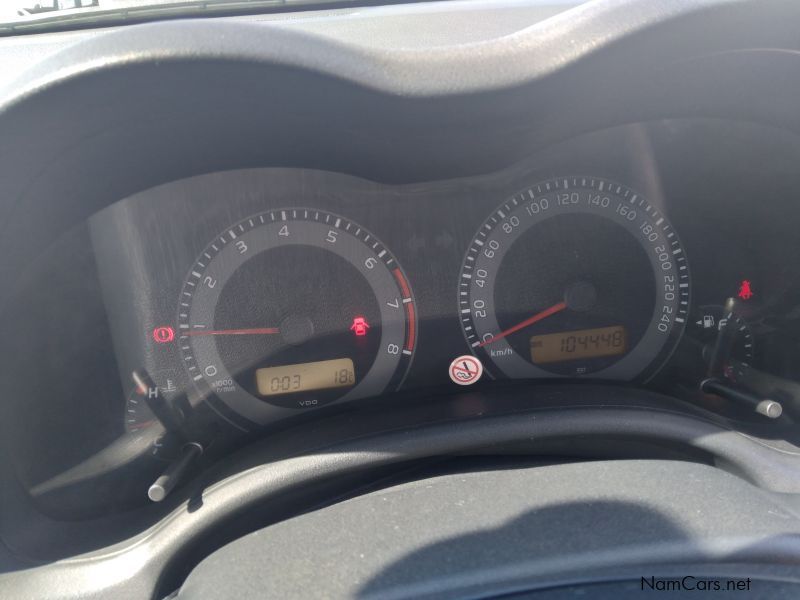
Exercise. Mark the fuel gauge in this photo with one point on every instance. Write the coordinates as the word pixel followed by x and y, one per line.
pixel 727 339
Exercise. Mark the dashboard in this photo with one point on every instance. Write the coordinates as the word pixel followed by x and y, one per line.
pixel 228 305
pixel 225 253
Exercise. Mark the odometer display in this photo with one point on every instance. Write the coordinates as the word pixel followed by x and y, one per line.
pixel 321 375
pixel 577 345
pixel 575 276
pixel 292 309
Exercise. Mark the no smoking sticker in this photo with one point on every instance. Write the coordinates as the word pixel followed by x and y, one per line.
pixel 466 370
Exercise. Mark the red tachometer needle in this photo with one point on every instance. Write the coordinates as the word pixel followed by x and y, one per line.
pixel 255 331
pixel 529 321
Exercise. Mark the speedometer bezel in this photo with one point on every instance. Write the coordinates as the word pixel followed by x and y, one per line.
pixel 636 364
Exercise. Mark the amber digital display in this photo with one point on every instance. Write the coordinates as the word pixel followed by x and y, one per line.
pixel 575 345
pixel 304 377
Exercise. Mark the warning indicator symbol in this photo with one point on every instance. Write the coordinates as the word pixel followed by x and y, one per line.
pixel 466 370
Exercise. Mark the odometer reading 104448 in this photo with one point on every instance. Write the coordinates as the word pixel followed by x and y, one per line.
pixel 578 345
pixel 574 276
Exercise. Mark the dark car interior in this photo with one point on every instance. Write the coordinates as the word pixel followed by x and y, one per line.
pixel 451 299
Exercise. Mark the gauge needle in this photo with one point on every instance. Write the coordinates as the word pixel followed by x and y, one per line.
pixel 529 321
pixel 254 331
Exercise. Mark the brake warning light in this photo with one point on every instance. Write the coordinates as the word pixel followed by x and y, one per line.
pixel 162 335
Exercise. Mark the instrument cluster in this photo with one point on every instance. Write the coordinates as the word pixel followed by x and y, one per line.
pixel 238 302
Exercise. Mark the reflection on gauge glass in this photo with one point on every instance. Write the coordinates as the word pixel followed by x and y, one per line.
pixel 575 276
pixel 295 308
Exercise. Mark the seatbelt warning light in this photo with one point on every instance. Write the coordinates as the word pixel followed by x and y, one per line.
pixel 745 290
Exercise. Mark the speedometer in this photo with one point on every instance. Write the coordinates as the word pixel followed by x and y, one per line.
pixel 292 309
pixel 575 276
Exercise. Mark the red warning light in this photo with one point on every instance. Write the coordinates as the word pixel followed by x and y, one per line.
pixel 359 326
pixel 745 290
pixel 162 335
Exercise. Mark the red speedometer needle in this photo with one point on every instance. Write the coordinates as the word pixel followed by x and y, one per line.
pixel 529 321
pixel 254 331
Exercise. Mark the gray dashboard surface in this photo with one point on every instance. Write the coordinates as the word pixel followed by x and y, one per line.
pixel 508 44
pixel 488 533
pixel 427 24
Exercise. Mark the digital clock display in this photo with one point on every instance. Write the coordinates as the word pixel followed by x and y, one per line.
pixel 576 345
pixel 304 377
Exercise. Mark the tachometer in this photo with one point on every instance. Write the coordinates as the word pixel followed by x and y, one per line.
pixel 575 276
pixel 295 308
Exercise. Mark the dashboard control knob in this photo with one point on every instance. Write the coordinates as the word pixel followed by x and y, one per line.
pixel 763 406
pixel 174 473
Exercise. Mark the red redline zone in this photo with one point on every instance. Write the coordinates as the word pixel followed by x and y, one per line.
pixel 411 313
